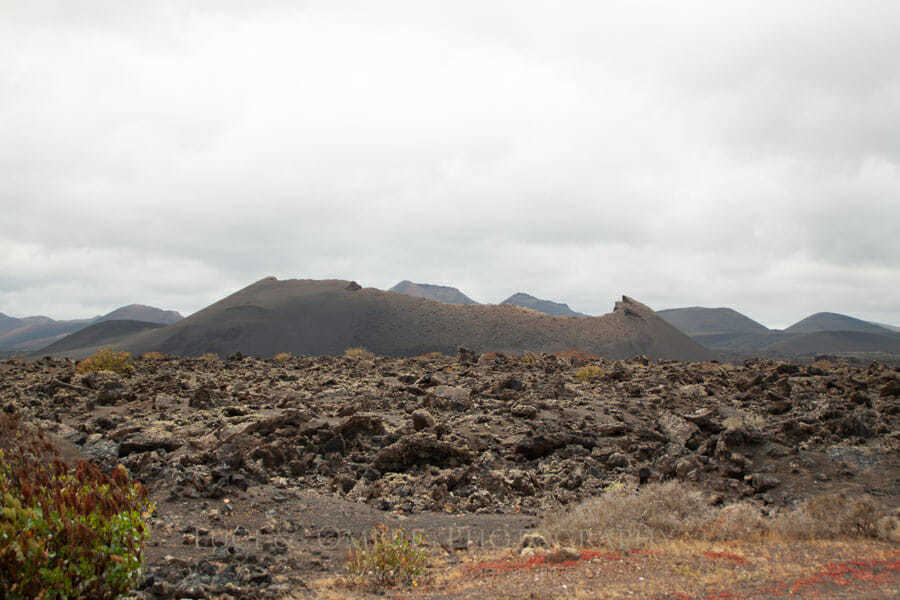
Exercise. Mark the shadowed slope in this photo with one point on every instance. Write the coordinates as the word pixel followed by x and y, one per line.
pixel 327 317
pixel 97 335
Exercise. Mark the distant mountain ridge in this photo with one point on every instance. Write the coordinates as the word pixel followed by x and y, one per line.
pixel 728 331
pixel 545 306
pixel 318 317
pixel 430 291
pixel 828 321
pixel 29 334
pixel 696 320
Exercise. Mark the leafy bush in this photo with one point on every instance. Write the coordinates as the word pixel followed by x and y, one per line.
pixel 390 557
pixel 107 360
pixel 589 372
pixel 65 533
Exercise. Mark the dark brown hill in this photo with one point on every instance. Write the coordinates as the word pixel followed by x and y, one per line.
pixel 698 320
pixel 826 321
pixel 326 317
pixel 545 306
pixel 441 293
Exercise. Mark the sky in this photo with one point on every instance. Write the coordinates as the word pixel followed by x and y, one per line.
pixel 731 153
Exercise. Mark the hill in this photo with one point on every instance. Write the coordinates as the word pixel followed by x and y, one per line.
pixel 826 321
pixel 312 317
pixel 441 293
pixel 834 342
pixel 697 320
pixel 33 333
pixel 545 306
pixel 30 334
pixel 97 335
pixel 140 312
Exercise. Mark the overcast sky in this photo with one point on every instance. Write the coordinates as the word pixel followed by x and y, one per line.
pixel 742 154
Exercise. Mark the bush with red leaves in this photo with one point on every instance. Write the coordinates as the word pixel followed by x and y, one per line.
pixel 65 532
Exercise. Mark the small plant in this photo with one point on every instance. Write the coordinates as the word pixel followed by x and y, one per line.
pixel 589 373
pixel 282 357
pixel 358 353
pixel 153 356
pixel 390 557
pixel 576 358
pixel 107 360
pixel 530 359
pixel 210 357
pixel 65 532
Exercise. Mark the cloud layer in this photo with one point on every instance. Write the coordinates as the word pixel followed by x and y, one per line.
pixel 745 154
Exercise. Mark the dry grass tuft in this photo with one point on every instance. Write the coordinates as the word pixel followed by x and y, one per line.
pixel 107 360
pixel 576 358
pixel 828 517
pixel 589 373
pixel 153 356
pixel 283 357
pixel 390 557
pixel 623 520
pixel 358 354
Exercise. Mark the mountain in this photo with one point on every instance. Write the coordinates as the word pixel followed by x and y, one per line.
pixel 697 320
pixel 8 323
pixel 893 328
pixel 30 334
pixel 835 342
pixel 441 293
pixel 736 336
pixel 312 317
pixel 146 314
pixel 826 321
pixel 545 306
pixel 93 337
pixel 36 332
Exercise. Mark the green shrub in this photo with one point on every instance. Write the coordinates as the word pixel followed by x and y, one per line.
pixel 107 360
pixel 390 557
pixel 65 533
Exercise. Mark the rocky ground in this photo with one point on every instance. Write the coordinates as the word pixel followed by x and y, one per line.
pixel 263 470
